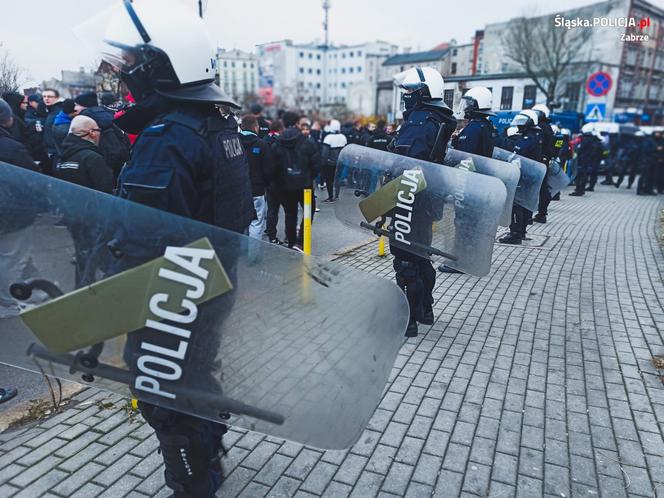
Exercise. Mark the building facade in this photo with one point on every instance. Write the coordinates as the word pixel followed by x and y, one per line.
pixel 238 74
pixel 73 83
pixel 312 77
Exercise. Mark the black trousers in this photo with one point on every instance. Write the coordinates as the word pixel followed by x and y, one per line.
pixel 190 448
pixel 544 196
pixel 520 217
pixel 272 219
pixel 329 174
pixel 417 278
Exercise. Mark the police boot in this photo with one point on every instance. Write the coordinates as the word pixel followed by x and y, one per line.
pixel 556 197
pixel 512 238
pixel 427 316
pixel 411 331
pixel 577 193
pixel 540 218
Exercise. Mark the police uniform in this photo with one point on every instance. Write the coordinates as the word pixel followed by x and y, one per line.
pixel 548 153
pixel 424 134
pixel 477 137
pixel 191 163
pixel 528 144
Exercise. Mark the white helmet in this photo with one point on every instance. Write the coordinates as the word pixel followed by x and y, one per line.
pixel 476 100
pixel 334 126
pixel 588 128
pixel 527 117
pixel 157 47
pixel 565 132
pixel 424 84
pixel 543 108
pixel 555 129
pixel 512 130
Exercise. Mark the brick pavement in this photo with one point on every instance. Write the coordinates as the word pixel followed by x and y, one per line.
pixel 534 381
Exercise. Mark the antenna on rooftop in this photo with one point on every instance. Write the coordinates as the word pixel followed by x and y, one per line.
pixel 326 7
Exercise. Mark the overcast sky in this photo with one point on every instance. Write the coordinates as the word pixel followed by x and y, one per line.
pixel 39 36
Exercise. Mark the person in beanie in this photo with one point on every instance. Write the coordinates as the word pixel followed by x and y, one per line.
pixel 109 101
pixel 263 124
pixel 11 150
pixel 62 122
pixel 53 106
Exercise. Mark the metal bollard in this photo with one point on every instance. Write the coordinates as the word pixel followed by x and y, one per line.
pixel 306 238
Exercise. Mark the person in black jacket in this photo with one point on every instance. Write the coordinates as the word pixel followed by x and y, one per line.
pixel 81 161
pixel 11 150
pixel 113 144
pixel 379 139
pixel 263 124
pixel 296 160
pixel 589 153
pixel 261 171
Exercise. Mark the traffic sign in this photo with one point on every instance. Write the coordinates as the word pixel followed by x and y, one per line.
pixel 595 111
pixel 599 84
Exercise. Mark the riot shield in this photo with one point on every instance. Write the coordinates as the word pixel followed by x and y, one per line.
pixel 530 180
pixel 424 208
pixel 507 173
pixel 189 316
pixel 557 178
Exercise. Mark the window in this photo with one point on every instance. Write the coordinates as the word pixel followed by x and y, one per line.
pixel 317 85
pixel 310 71
pixel 351 54
pixel 506 98
pixel 232 64
pixel 454 68
pixel 529 96
pixel 351 69
pixel 317 71
pixel 311 56
pixel 359 53
pixel 343 55
pixel 359 69
pixel 572 91
pixel 454 52
pixel 225 64
pixel 244 65
pixel 448 98
pixel 343 70
pixel 301 70
pixel 301 55
pixel 343 85
pixel 317 56
pixel 251 65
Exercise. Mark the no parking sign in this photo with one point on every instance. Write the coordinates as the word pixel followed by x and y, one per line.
pixel 599 84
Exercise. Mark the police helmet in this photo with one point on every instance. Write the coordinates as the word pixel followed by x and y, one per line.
pixel 477 100
pixel 542 110
pixel 512 130
pixel 157 47
pixel 424 83
pixel 526 118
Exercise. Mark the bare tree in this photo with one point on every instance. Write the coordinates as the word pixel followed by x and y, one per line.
pixel 11 75
pixel 546 53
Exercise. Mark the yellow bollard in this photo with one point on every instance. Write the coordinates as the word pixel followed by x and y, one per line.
pixel 134 404
pixel 381 246
pixel 307 222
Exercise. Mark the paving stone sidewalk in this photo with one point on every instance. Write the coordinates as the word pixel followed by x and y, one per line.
pixel 536 380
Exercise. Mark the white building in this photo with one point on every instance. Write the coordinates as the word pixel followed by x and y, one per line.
pixel 312 77
pixel 238 73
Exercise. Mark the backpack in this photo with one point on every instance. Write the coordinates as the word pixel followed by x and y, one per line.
pixel 115 146
pixel 293 168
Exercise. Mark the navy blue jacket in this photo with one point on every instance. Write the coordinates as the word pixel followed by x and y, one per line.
pixel 529 144
pixel 589 152
pixel 419 133
pixel 477 138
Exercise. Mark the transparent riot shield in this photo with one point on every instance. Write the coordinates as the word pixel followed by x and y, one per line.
pixel 191 317
pixel 557 178
pixel 508 173
pixel 426 209
pixel 530 180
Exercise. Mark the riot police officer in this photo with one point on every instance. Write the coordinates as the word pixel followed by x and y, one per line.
pixel 477 137
pixel 426 130
pixel 187 160
pixel 527 144
pixel 548 153
pixel 589 153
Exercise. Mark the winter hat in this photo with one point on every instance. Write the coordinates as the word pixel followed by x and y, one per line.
pixel 256 108
pixel 35 97
pixel 68 106
pixel 5 111
pixel 87 99
pixel 107 98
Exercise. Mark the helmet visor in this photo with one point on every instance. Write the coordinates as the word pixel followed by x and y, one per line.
pixel 113 36
pixel 520 120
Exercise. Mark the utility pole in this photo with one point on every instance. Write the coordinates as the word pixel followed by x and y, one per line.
pixel 326 8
